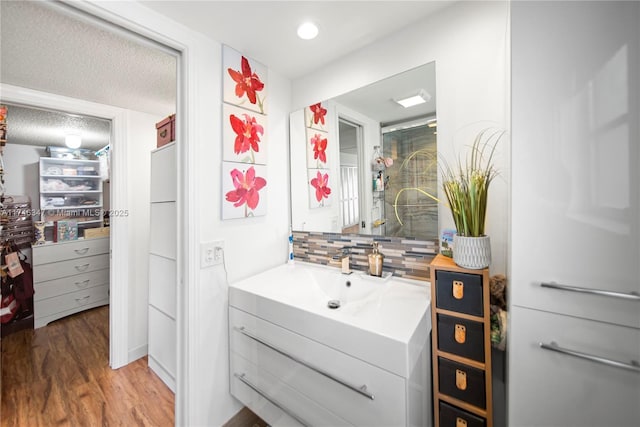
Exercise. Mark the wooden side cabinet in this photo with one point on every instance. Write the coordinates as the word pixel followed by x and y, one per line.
pixel 461 344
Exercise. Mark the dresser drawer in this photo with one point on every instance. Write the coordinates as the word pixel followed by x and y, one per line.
pixel 385 406
pixel 462 382
pixel 44 254
pixel 65 285
pixel 56 270
pixel 461 337
pixel 460 292
pixel 71 301
pixel 452 416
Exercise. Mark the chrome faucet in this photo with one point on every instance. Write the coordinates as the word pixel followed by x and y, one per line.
pixel 345 259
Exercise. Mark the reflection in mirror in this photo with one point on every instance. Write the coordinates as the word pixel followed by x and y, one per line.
pixel 383 158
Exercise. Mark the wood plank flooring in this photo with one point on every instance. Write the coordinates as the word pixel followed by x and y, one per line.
pixel 59 375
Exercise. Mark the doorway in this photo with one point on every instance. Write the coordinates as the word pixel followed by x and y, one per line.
pixel 350 139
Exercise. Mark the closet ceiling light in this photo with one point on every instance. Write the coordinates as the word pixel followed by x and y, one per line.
pixel 307 31
pixel 73 140
pixel 420 98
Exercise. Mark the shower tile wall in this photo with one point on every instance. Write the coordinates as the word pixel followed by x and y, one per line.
pixel 405 257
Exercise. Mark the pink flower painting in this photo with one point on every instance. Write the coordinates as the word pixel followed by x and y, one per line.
pixel 243 136
pixel 244 81
pixel 317 149
pixel 242 191
pixel 320 193
pixel 315 116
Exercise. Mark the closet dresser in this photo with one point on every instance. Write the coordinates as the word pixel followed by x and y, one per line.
pixel 69 277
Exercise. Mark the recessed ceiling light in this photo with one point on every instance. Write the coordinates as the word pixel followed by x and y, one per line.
pixel 72 140
pixel 307 31
pixel 420 98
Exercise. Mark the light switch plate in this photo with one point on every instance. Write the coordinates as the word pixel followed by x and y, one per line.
pixel 211 253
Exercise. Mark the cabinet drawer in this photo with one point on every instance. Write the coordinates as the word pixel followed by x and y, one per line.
pixel 388 406
pixel 461 292
pixel 44 254
pixel 162 284
pixel 51 271
pixel 452 416
pixel 71 301
pixel 462 382
pixel 461 337
pixel 565 390
pixel 162 340
pixel 65 285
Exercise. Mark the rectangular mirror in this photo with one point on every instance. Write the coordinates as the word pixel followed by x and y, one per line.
pixel 361 163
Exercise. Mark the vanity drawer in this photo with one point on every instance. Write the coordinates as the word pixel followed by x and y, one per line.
pixel 44 254
pixel 452 416
pixel 275 400
pixel 461 337
pixel 305 364
pixel 71 302
pixel 65 285
pixel 462 382
pixel 460 292
pixel 51 271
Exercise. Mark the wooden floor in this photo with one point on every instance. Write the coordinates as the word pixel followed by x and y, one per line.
pixel 59 375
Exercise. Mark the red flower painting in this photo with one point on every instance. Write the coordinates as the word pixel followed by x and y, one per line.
pixel 248 133
pixel 321 184
pixel 247 82
pixel 319 147
pixel 318 113
pixel 246 190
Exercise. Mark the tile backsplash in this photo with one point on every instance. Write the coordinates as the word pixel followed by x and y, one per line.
pixel 404 256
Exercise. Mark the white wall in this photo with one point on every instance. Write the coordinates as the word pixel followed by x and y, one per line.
pixel 21 171
pixel 141 135
pixel 469 43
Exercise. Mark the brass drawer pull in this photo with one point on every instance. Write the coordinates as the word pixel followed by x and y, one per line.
pixel 460 334
pixel 460 422
pixel 461 379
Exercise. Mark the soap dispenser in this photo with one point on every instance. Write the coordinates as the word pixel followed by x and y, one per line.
pixel 375 261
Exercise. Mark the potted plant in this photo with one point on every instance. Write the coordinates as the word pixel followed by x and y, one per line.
pixel 466 187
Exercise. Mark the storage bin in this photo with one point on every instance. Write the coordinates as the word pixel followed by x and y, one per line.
pixel 166 130
pixel 452 416
pixel 461 292
pixel 461 337
pixel 462 382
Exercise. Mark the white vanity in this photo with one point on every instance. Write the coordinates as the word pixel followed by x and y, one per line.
pixel 295 361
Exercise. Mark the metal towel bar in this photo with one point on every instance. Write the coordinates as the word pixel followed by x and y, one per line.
pixel 630 296
pixel 360 390
pixel 255 388
pixel 633 366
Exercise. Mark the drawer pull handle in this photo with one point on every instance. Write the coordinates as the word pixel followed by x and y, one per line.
pixel 360 390
pixel 81 251
pixel 460 422
pixel 242 377
pixel 82 284
pixel 458 289
pixel 633 366
pixel 622 295
pixel 460 334
pixel 83 300
pixel 461 379
pixel 82 267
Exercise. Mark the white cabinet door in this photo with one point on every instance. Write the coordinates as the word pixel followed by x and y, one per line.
pixel 576 156
pixel 548 388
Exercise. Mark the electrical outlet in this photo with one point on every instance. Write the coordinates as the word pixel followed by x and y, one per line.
pixel 211 253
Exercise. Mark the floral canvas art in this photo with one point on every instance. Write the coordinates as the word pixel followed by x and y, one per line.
pixel 244 135
pixel 244 188
pixel 315 117
pixel 244 81
pixel 319 188
pixel 317 145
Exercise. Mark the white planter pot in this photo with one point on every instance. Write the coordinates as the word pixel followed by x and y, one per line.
pixel 472 252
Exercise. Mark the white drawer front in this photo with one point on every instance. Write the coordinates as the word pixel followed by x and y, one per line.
pixel 274 400
pixel 162 340
pixel 65 285
pixel 162 284
pixel 44 254
pixel 552 389
pixel 388 406
pixel 163 241
pixel 163 174
pixel 71 301
pixel 51 271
